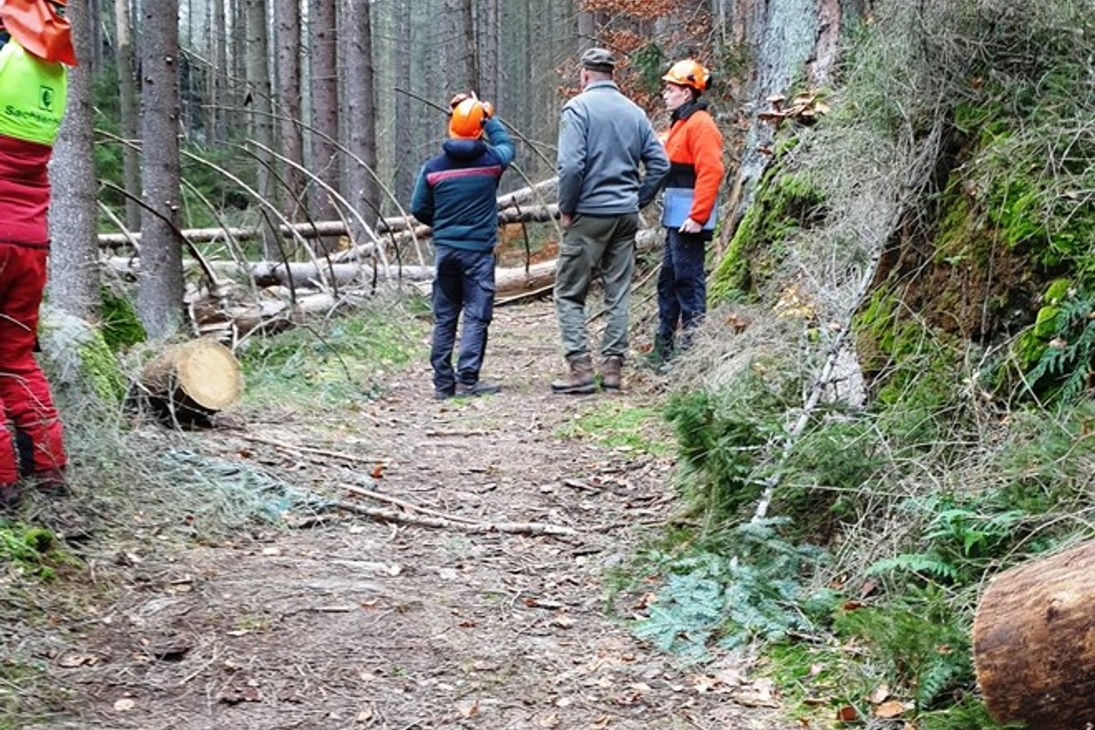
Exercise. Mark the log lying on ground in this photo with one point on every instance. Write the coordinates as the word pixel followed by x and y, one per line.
pixel 191 381
pixel 509 212
pixel 1034 642
pixel 538 194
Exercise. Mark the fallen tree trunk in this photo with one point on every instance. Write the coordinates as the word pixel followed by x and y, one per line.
pixel 537 193
pixel 509 281
pixel 509 212
pixel 1034 642
pixel 191 381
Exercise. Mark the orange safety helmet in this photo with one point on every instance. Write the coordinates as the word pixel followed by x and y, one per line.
pixel 689 73
pixel 468 118
pixel 39 28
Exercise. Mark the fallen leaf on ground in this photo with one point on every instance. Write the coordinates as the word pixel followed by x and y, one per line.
pixel 888 710
pixel 468 710
pixel 78 660
pixel 879 694
pixel 124 705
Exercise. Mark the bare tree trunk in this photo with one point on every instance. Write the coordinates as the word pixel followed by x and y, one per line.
pixel 160 283
pixel 786 37
pixel 363 191
pixel 403 160
pixel 261 123
pixel 489 49
pixel 325 122
pixel 458 48
pixel 127 95
pixel 236 118
pixel 94 53
pixel 217 82
pixel 74 257
pixel 289 103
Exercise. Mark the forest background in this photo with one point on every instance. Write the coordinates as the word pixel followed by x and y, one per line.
pixel 891 403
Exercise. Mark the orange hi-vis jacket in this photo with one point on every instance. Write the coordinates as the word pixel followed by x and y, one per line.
pixel 694 148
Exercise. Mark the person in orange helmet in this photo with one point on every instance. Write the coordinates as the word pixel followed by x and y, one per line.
pixel 35 48
pixel 694 148
pixel 456 192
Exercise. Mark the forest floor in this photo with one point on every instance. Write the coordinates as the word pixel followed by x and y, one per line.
pixel 329 618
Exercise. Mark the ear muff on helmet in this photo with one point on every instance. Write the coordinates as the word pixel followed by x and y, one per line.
pixel 689 73
pixel 39 28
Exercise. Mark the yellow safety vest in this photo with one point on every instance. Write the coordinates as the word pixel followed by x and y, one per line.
pixel 33 94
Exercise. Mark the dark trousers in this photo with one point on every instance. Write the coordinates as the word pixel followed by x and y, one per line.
pixel 682 287
pixel 30 429
pixel 464 283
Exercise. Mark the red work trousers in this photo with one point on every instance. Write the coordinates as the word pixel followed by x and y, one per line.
pixel 30 429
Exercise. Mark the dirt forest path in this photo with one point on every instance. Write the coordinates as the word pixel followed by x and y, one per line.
pixel 351 622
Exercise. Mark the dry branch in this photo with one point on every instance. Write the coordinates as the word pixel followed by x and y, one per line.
pixel 519 528
pixel 353 458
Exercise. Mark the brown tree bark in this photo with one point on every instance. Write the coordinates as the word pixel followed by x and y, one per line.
pixel 160 284
pixel 324 128
pixel 359 92
pixel 74 259
pixel 1034 642
pixel 127 98
pixel 289 105
pixel 258 102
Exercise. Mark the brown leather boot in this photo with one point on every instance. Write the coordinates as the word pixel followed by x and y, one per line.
pixel 611 369
pixel 580 380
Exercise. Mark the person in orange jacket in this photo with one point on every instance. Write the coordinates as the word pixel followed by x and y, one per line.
pixel 694 148
pixel 35 47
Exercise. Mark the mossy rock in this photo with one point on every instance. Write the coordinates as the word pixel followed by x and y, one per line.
pixel 785 204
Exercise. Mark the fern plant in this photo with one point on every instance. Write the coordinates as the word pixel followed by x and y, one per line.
pixel 1065 367
pixel 920 640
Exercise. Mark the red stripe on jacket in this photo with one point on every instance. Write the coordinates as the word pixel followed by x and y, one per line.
pixel 433 178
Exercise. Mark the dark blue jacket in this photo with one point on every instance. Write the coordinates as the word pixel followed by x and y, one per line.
pixel 457 191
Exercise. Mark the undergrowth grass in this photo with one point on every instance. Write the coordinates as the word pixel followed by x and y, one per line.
pixel 619 425
pixel 334 361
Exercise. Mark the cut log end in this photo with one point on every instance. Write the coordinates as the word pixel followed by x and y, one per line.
pixel 209 374
pixel 193 380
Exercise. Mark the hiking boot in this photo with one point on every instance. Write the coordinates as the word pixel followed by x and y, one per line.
pixel 9 499
pixel 611 370
pixel 463 390
pixel 660 354
pixel 580 380
pixel 51 483
pixel 443 393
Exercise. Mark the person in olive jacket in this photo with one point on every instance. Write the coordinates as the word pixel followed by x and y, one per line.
pixel 457 193
pixel 610 165
pixel 694 147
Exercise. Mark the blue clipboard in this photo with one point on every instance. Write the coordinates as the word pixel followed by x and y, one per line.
pixel 677 204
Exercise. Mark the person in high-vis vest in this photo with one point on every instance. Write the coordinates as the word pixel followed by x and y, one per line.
pixel 35 49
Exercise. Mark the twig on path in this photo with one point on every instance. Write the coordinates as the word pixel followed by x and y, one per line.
pixel 312 450
pixel 524 528
pixel 359 492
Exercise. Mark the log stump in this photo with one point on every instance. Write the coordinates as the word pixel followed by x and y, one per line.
pixel 190 382
pixel 1034 642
